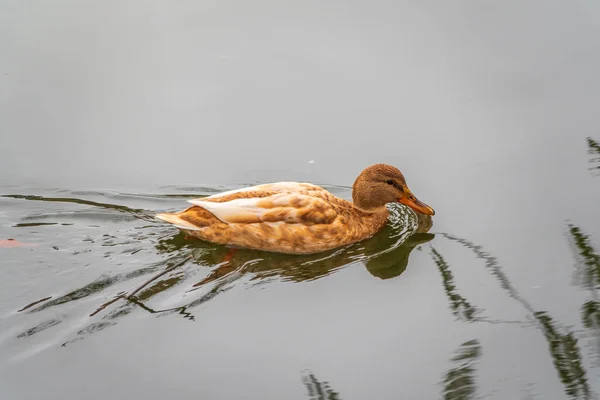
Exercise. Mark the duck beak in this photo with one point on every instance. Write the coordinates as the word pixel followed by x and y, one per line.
pixel 411 201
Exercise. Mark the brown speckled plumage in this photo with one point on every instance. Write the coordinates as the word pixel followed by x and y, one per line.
pixel 297 218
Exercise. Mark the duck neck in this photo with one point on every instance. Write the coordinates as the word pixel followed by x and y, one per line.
pixel 382 212
pixel 378 214
pixel 380 217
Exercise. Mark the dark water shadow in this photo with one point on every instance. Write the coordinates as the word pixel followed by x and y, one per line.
pixel 137 213
pixel 38 328
pixel 103 283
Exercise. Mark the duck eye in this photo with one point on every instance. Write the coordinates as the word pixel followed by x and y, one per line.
pixel 390 182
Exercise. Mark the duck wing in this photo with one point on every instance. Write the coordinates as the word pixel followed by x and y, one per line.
pixel 270 206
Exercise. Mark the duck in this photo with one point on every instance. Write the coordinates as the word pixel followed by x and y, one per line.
pixel 297 217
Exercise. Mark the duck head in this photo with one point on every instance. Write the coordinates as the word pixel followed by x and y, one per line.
pixel 381 184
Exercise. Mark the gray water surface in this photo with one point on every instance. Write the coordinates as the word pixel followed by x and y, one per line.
pixel 113 111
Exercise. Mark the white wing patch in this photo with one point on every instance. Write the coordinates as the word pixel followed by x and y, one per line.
pixel 233 211
pixel 281 207
pixel 286 202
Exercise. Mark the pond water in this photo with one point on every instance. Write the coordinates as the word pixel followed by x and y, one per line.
pixel 114 111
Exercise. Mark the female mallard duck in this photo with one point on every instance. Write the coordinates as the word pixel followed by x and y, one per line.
pixel 297 218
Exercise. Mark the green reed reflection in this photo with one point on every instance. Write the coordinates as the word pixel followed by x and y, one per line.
pixel 459 382
pixel 587 257
pixel 590 314
pixel 563 347
pixel 588 277
pixel 594 152
pixel 319 390
pixel 491 263
pixel 460 306
pixel 566 357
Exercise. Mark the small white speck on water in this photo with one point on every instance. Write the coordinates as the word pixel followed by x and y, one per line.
pixel 311 162
pixel 536 287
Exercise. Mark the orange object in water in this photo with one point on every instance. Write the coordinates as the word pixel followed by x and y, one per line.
pixel 10 243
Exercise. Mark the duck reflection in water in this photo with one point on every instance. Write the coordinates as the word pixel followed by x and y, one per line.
pixel 384 256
